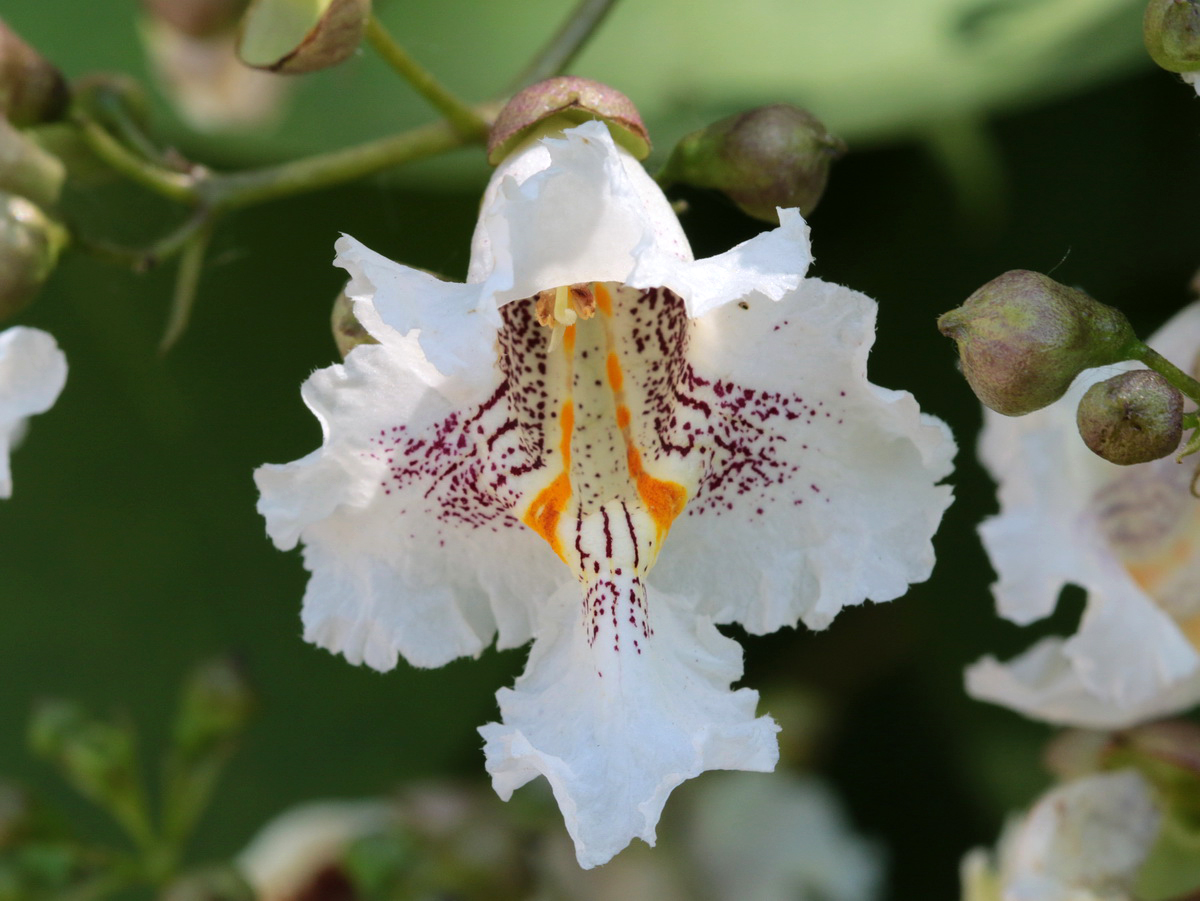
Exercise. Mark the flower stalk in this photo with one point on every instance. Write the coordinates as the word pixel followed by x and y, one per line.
pixel 466 120
pixel 1143 353
pixel 560 50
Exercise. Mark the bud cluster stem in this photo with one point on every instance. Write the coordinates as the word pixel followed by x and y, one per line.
pixel 554 58
pixel 1143 353
pixel 466 121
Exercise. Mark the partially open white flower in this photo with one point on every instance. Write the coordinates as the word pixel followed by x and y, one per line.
pixel 760 839
pixel 1129 535
pixel 292 851
pixel 509 460
pixel 32 374
pixel 1083 841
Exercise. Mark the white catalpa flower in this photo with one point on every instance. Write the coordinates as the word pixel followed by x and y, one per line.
pixel 1083 841
pixel 32 374
pixel 1130 535
pixel 508 461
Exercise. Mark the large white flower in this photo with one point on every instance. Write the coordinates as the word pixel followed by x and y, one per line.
pixel 509 459
pixel 1082 841
pixel 1129 535
pixel 32 374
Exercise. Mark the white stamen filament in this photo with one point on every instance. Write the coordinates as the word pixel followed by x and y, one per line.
pixel 563 314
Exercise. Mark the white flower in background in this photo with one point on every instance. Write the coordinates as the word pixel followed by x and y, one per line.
pixel 1083 841
pixel 307 844
pixel 1129 535
pixel 786 838
pixel 210 88
pixel 508 462
pixel 32 374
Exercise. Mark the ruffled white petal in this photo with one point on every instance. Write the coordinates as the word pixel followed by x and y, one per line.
pixel 402 562
pixel 615 733
pixel 822 489
pixel 1041 683
pixel 1068 517
pixel 32 373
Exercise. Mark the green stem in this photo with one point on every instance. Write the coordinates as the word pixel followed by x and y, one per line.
pixel 240 189
pixel 465 120
pixel 570 38
pixel 1168 370
pixel 143 259
pixel 186 282
pixel 174 185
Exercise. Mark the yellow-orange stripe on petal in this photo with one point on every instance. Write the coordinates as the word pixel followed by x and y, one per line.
pixel 547 508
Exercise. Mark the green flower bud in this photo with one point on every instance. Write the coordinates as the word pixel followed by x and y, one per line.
pixel 28 170
pixel 29 248
pixel 573 100
pixel 773 156
pixel 97 758
pixel 1022 338
pixel 1134 417
pixel 298 36
pixel 348 332
pixel 197 18
pixel 1171 30
pixel 32 90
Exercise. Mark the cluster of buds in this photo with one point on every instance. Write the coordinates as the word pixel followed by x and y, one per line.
pixel 1023 338
pixel 32 92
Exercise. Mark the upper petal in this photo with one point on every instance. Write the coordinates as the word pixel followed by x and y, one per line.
pixel 32 373
pixel 822 488
pixel 455 326
pixel 579 208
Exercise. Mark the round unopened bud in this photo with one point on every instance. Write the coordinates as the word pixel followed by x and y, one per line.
pixel 29 247
pixel 773 156
pixel 1171 30
pixel 197 18
pixel 348 332
pixel 32 90
pixel 1022 338
pixel 574 100
pixel 1134 417
pixel 298 36
pixel 27 169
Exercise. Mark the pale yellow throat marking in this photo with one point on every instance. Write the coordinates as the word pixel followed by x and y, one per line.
pixel 663 500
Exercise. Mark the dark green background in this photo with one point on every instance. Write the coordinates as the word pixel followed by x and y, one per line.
pixel 131 548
